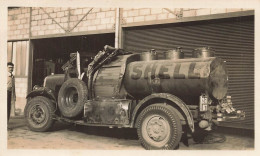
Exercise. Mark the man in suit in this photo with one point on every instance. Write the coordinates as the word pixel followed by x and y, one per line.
pixel 10 87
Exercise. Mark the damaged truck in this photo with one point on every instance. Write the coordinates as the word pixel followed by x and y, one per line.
pixel 163 98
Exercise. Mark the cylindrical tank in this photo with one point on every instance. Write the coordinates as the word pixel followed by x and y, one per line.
pixel 184 78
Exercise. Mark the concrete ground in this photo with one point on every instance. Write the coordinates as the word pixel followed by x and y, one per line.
pixel 65 136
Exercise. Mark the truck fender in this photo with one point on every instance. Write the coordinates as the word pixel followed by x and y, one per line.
pixel 42 91
pixel 177 102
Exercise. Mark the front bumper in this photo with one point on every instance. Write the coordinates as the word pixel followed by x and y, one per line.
pixel 233 116
pixel 222 111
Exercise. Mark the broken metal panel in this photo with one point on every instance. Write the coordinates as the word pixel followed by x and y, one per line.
pixel 109 78
pixel 106 82
pixel 107 111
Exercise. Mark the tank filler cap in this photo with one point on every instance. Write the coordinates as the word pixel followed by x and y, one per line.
pixel 148 56
pixel 152 51
pixel 203 52
pixel 179 49
pixel 174 54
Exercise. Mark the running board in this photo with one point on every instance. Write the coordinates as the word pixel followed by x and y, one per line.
pixel 82 122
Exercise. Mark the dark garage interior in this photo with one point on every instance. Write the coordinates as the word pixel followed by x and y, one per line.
pixel 51 53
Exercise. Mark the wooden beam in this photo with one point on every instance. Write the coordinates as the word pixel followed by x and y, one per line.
pixel 170 11
pixel 70 30
pixel 53 19
pixel 178 14
pixel 14 40
pixel 75 34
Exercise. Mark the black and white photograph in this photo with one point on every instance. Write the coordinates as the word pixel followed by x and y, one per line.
pixel 129 78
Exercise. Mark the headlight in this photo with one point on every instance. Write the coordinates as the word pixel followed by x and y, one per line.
pixel 36 87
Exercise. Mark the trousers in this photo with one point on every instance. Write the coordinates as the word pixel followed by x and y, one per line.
pixel 9 97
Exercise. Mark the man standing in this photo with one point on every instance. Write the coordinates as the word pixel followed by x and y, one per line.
pixel 10 88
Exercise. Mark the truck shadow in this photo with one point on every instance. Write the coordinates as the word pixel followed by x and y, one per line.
pixel 119 133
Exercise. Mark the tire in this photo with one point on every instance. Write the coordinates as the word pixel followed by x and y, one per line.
pixel 39 112
pixel 159 127
pixel 71 98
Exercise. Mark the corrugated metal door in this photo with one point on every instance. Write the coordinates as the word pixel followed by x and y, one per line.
pixel 233 40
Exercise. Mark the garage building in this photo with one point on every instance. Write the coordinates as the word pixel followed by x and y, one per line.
pixel 41 39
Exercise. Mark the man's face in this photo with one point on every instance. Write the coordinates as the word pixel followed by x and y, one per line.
pixel 10 69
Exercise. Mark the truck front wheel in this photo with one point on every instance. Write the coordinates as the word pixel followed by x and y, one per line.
pixel 159 127
pixel 39 113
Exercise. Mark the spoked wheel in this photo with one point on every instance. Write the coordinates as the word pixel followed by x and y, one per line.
pixel 39 113
pixel 159 127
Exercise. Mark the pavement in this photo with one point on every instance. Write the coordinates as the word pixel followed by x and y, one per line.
pixel 67 136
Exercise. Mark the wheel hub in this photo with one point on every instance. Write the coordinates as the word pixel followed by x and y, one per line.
pixel 156 129
pixel 71 97
pixel 37 114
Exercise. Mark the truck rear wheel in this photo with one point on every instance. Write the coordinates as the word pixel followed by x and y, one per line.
pixel 159 127
pixel 71 98
pixel 39 113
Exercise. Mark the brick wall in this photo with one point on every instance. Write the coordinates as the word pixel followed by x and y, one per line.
pixel 18 23
pixel 97 19
pixel 42 24
pixel 152 14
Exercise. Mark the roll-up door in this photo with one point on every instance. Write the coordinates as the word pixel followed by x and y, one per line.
pixel 233 40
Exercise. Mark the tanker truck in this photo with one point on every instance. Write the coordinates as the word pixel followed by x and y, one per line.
pixel 163 96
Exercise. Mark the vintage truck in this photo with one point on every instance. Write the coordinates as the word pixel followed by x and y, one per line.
pixel 162 95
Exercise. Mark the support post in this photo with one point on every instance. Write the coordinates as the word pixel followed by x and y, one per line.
pixel 68 28
pixel 30 58
pixel 118 28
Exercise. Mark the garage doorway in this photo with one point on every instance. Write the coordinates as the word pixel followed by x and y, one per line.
pixel 50 54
